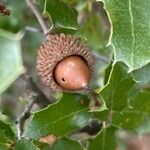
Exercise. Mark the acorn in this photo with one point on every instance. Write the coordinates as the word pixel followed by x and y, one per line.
pixel 64 63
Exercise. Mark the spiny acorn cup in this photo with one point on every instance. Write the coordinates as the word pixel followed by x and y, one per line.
pixel 64 63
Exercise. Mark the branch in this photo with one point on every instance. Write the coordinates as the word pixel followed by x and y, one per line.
pixel 25 115
pixel 38 15
pixel 32 29
pixel 34 95
pixel 96 100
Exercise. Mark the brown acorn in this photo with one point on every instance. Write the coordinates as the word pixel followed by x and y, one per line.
pixel 64 63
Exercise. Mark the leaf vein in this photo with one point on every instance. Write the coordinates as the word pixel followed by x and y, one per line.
pixel 132 32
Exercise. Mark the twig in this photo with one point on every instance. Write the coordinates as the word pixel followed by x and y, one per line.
pixel 26 114
pixel 95 98
pixel 32 29
pixel 34 95
pixel 38 15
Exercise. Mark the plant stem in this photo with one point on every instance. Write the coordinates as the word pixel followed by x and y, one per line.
pixel 32 29
pixel 25 115
pixel 38 15
pixel 95 97
pixel 34 95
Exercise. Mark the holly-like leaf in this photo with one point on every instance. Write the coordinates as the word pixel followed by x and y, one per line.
pixel 11 66
pixel 130 31
pixel 60 118
pixel 105 140
pixel 116 92
pixel 61 14
pixel 135 115
pixel 127 108
pixel 6 133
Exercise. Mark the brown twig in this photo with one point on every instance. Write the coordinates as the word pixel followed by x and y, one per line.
pixel 95 98
pixel 38 15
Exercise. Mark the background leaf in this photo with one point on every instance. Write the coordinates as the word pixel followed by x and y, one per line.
pixel 94 25
pixel 11 66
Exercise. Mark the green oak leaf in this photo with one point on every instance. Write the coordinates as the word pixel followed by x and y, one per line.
pixel 61 14
pixel 127 109
pixel 60 143
pixel 117 90
pixel 60 118
pixel 130 38
pixel 11 66
pixel 25 145
pixel 6 133
pixel 137 113
pixel 66 144
pixel 104 141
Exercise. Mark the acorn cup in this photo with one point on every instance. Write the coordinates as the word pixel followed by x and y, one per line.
pixel 64 63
